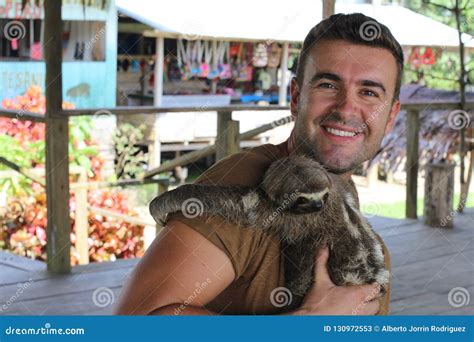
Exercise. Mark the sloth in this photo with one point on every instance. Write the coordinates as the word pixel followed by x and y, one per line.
pixel 306 207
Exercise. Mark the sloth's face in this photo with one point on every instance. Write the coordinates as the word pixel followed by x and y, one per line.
pixel 309 203
pixel 298 184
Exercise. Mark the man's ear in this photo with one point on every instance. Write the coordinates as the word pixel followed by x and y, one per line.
pixel 295 96
pixel 392 115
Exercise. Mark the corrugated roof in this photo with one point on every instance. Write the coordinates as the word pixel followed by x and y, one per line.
pixel 277 20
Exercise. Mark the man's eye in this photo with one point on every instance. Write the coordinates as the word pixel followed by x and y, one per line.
pixel 370 93
pixel 326 86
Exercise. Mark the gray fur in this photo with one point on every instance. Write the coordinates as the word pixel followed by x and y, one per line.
pixel 275 206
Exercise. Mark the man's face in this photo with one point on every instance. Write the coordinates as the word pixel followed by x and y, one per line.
pixel 344 106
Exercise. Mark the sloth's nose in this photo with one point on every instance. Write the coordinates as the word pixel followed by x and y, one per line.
pixel 317 205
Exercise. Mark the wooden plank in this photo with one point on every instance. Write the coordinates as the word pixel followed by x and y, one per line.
pixel 412 136
pixel 19 262
pixel 22 115
pixel 132 110
pixel 123 217
pixel 82 223
pixel 211 149
pixel 57 134
pixel 67 283
pixel 81 303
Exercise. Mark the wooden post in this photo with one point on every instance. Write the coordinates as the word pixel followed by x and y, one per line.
pixel 81 224
pixel 439 191
pixel 157 100
pixel 57 134
pixel 412 133
pixel 328 8
pixel 283 90
pixel 227 140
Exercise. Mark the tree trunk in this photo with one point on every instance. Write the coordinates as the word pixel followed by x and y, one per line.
pixel 439 190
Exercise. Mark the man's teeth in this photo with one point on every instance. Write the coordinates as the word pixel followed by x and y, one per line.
pixel 340 133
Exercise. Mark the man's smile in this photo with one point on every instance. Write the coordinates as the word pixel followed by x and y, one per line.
pixel 339 133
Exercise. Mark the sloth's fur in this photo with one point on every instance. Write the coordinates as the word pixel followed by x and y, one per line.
pixel 306 207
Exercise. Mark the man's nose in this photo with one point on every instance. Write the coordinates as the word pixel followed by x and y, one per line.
pixel 346 104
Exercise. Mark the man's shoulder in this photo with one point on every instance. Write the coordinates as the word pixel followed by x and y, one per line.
pixel 244 168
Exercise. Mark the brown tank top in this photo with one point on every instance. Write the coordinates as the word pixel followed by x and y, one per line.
pixel 255 256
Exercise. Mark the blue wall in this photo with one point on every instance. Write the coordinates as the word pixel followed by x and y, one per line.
pixel 86 84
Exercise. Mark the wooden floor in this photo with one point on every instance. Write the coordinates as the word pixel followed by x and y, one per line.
pixel 427 264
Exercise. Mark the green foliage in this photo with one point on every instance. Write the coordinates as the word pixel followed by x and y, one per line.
pixel 30 154
pixel 130 161
pixel 445 73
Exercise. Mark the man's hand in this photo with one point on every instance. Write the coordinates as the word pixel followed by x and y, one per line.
pixel 325 298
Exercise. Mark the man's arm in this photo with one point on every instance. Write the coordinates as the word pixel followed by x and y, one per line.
pixel 182 271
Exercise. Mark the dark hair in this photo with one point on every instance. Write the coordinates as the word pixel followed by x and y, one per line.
pixel 355 28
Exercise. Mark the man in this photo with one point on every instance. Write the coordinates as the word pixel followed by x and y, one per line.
pixel 344 99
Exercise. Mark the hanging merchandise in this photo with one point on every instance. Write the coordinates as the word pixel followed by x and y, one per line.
pixel 414 58
pixel 274 55
pixel 221 56
pixel 428 57
pixel 183 60
pixel 225 71
pixel 244 71
pixel 265 79
pixel 135 66
pixel 36 52
pixel 205 66
pixel 196 57
pixel 260 56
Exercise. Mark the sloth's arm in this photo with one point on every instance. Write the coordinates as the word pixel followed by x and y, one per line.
pixel 194 200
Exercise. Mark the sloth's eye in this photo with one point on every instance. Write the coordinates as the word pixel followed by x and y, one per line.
pixel 325 197
pixel 301 201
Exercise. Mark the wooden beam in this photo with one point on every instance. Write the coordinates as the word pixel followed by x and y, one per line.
pixel 81 224
pixel 227 140
pixel 283 90
pixel 21 115
pixel 57 159
pixel 211 149
pixel 412 136
pixel 131 110
pixel 328 8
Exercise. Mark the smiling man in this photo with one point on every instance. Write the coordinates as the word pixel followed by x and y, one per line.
pixel 344 99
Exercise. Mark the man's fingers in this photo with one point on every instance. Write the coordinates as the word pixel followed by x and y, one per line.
pixel 371 291
pixel 321 275
pixel 370 308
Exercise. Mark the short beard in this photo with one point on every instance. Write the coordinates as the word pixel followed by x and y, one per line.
pixel 305 146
